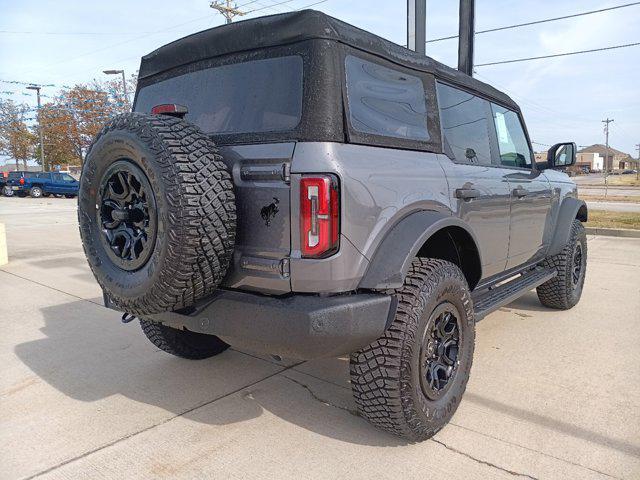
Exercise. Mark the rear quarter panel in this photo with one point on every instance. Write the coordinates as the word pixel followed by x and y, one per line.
pixel 378 186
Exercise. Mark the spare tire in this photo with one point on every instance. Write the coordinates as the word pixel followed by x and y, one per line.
pixel 157 213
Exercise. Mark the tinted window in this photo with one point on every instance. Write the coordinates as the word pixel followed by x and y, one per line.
pixel 512 142
pixel 465 124
pixel 256 96
pixel 385 102
pixel 14 175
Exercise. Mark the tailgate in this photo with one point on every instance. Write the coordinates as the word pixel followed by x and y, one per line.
pixel 263 240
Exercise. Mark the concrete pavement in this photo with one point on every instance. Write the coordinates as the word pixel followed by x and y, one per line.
pixel 552 394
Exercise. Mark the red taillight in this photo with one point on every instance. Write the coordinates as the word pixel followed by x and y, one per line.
pixel 319 216
pixel 21 181
pixel 170 109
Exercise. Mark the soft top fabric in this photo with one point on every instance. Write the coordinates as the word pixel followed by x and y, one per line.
pixel 287 28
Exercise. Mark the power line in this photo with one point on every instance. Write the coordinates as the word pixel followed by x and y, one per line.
pixel 526 59
pixel 311 5
pixel 536 22
pixel 270 6
pixel 22 32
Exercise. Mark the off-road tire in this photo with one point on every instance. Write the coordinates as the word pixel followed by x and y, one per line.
pixel 182 343
pixel 385 376
pixel 36 192
pixel 561 292
pixel 195 213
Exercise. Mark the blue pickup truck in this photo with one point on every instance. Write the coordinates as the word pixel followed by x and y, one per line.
pixel 40 184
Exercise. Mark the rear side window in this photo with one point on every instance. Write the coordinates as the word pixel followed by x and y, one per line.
pixel 465 121
pixel 250 97
pixel 385 102
pixel 512 142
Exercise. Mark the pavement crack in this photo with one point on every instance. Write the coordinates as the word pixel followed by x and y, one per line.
pixel 156 425
pixel 321 400
pixel 483 462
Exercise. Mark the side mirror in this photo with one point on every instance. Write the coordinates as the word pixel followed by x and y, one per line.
pixel 561 155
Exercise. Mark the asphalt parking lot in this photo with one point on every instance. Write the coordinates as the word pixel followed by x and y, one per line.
pixel 552 394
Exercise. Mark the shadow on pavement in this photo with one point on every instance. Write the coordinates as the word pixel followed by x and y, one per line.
pixel 88 355
pixel 528 302
pixel 553 424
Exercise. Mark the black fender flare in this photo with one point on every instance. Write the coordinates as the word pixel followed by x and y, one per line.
pixel 567 214
pixel 392 259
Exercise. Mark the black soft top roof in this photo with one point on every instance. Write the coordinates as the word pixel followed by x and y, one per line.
pixel 287 28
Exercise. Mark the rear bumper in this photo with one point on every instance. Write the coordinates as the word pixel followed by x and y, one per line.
pixel 296 326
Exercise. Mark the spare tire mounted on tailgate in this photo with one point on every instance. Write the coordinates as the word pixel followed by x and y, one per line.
pixel 157 213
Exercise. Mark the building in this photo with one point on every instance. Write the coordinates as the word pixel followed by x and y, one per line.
pixel 593 161
pixel 11 167
pixel 616 160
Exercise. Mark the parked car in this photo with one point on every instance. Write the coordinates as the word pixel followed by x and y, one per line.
pixel 359 199
pixel 39 184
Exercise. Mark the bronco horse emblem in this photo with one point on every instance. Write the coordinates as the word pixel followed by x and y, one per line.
pixel 268 212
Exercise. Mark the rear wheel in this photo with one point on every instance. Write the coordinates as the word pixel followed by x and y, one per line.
pixel 7 192
pixel 182 343
pixel 565 289
pixel 410 381
pixel 36 192
pixel 69 196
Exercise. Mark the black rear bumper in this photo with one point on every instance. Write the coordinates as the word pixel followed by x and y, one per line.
pixel 296 326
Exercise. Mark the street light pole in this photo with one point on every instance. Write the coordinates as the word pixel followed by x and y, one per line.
pixel 37 89
pixel 124 82
pixel 417 26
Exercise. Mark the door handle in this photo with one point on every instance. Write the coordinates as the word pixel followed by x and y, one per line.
pixel 467 193
pixel 520 192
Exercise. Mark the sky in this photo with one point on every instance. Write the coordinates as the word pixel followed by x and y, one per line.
pixel 64 42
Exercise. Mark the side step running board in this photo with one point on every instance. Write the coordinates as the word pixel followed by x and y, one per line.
pixel 487 301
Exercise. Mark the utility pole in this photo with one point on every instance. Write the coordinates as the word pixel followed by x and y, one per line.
pixel 417 26
pixel 37 89
pixel 225 8
pixel 606 154
pixel 638 163
pixel 466 34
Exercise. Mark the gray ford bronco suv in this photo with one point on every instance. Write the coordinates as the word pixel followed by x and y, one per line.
pixel 296 186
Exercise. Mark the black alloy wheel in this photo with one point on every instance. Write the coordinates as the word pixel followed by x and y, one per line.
pixel 576 265
pixel 440 347
pixel 127 215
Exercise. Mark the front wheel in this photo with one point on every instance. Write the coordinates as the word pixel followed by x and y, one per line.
pixel 182 343
pixel 565 289
pixel 7 192
pixel 410 381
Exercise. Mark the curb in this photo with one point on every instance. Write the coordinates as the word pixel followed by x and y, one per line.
pixel 613 232
pixel 4 257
